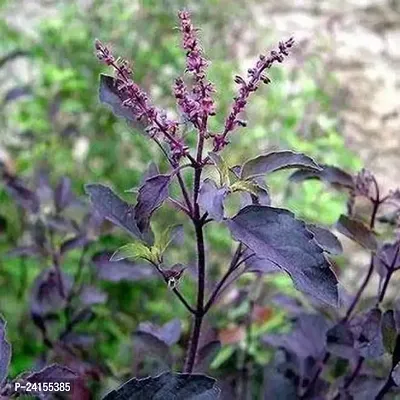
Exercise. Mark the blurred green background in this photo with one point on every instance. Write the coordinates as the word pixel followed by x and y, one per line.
pixel 50 117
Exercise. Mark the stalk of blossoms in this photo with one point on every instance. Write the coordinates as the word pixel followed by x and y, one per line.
pixel 138 102
pixel 255 75
pixel 197 104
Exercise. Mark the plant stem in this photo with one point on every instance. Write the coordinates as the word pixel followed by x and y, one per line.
pixel 198 318
pixel 387 386
pixel 201 257
pixel 231 268
pixel 376 204
pixel 314 380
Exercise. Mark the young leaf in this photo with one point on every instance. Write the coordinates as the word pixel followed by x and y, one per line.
pixel 5 352
pixel 329 174
pixel 275 235
pixel 134 251
pixel 171 234
pixel 326 239
pixel 211 199
pixel 151 196
pixel 357 231
pixel 222 167
pixel 276 161
pixel 113 208
pixel 250 187
pixel 162 387
pixel 109 95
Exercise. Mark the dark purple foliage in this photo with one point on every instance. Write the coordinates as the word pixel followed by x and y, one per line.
pixel 275 235
pixel 166 385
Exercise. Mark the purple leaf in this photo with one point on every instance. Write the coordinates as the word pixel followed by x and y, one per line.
pixel 43 191
pixel 113 208
pixel 326 239
pixel 22 194
pixel 169 333
pixel 357 231
pixel 116 271
pixel 211 199
pixel 168 385
pixel 276 161
pixel 81 340
pixel 279 387
pixel 23 251
pixel 340 341
pixel 146 344
pixel 5 352
pixel 151 171
pixel 329 174
pixel 63 194
pixel 108 94
pixel 151 196
pixel 257 264
pixel 74 243
pixel 365 387
pixel 388 258
pixel 17 92
pixel 91 295
pixel 366 329
pixel 275 235
pixel 52 373
pixel 45 295
pixel 307 339
pixel 61 224
pixel 396 374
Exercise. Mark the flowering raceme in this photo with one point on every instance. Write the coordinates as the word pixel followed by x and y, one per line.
pixel 195 101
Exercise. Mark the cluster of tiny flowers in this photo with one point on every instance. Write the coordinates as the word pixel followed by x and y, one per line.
pixel 255 75
pixel 137 100
pixel 363 184
pixel 196 104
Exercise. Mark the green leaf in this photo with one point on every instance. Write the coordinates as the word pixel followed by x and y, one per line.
pixel 135 251
pixel 222 167
pixel 247 186
pixel 163 240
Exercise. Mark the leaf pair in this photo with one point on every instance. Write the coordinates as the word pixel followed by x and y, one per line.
pixel 134 219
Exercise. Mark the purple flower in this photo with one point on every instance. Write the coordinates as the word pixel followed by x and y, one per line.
pixel 255 75
pixel 196 104
pixel 159 127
